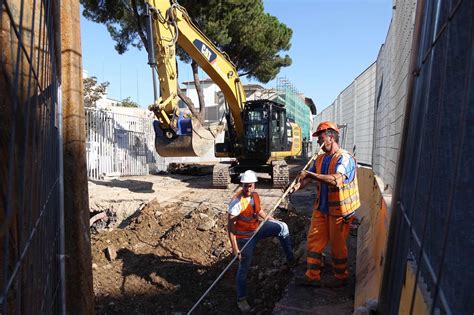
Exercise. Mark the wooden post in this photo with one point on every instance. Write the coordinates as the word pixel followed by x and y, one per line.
pixel 79 289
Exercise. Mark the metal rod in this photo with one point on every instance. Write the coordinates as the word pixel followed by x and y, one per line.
pixel 250 239
pixel 62 242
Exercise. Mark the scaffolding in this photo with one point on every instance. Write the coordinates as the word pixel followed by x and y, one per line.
pixel 296 108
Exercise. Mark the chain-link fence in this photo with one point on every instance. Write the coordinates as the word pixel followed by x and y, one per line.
pixel 432 227
pixel 31 214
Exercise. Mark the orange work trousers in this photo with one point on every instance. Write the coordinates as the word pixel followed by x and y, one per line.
pixel 325 228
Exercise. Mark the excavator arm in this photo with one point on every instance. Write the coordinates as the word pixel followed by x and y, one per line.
pixel 168 25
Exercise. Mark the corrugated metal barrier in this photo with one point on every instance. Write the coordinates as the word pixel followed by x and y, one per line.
pixel 31 280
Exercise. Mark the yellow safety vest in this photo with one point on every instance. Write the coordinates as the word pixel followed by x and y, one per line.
pixel 342 200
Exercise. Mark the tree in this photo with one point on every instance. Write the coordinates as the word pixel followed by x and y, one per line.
pixel 93 91
pixel 252 38
pixel 128 102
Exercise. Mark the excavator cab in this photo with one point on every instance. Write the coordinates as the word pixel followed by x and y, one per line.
pixel 266 129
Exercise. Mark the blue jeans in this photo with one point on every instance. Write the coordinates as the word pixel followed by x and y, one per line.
pixel 270 228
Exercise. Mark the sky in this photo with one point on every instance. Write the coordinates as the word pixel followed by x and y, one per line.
pixel 333 42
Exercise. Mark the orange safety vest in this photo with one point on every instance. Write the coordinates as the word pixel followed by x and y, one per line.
pixel 342 200
pixel 247 220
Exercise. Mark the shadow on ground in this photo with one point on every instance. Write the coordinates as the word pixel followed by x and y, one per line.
pixel 131 184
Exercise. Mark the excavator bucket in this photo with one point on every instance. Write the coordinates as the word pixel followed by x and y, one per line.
pixel 194 140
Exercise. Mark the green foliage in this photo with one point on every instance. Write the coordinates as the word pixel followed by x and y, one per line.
pixel 93 91
pixel 128 102
pixel 253 39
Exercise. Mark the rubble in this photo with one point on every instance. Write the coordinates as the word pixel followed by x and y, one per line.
pixel 176 246
pixel 110 253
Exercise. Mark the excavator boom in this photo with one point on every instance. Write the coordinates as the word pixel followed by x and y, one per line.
pixel 258 134
pixel 169 24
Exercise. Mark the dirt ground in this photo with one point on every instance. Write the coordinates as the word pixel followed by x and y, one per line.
pixel 169 253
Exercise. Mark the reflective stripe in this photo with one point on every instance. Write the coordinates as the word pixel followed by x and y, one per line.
pixel 245 218
pixel 339 261
pixel 313 266
pixel 346 201
pixel 349 186
pixel 314 255
pixel 340 200
pixel 339 270
pixel 247 222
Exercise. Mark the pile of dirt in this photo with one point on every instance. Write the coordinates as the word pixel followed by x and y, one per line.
pixel 166 258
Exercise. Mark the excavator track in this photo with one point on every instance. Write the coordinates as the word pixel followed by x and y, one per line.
pixel 220 175
pixel 280 174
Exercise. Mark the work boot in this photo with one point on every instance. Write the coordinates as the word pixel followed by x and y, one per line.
pixel 243 305
pixel 336 283
pixel 304 280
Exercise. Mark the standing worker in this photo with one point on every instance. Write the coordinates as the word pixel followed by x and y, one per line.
pixel 337 198
pixel 244 211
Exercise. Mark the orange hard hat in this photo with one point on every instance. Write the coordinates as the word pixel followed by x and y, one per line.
pixel 325 125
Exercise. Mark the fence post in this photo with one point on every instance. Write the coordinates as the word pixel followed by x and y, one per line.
pixel 79 290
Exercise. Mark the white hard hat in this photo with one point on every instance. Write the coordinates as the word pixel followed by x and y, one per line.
pixel 248 177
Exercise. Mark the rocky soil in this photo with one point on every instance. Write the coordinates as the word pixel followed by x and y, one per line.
pixel 165 256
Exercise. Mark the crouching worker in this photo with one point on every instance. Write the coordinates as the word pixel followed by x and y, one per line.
pixel 243 219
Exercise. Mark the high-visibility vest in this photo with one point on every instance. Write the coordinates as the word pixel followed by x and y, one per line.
pixel 344 199
pixel 247 221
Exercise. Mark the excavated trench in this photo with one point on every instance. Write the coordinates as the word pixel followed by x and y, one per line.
pixel 176 246
pixel 165 259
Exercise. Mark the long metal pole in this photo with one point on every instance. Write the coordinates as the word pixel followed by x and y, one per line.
pixel 255 233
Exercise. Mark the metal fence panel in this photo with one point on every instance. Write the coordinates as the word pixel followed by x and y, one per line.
pixel 354 108
pixel 119 144
pixel 31 280
pixel 435 227
pixel 391 82
pixel 347 102
pixel 364 115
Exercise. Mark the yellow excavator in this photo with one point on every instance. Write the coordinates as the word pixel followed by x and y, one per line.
pixel 258 134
